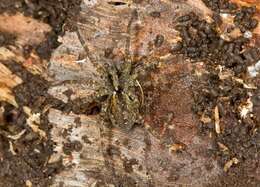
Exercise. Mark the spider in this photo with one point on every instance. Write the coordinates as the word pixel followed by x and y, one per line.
pixel 121 95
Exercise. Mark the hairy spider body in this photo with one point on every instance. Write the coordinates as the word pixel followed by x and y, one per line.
pixel 122 104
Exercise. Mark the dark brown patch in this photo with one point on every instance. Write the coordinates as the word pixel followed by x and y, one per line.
pixel 69 147
pixel 128 165
pixel 6 39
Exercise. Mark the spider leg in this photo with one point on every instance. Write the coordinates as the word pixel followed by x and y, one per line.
pixel 113 75
pixel 142 92
pixel 114 103
pixel 134 16
pixel 88 54
pixel 126 67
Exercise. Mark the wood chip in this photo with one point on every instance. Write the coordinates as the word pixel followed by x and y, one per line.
pixel 230 163
pixel 176 147
pixel 33 121
pixel 224 73
pixel 246 108
pixel 205 119
pixel 11 148
pixel 7 54
pixel 217 125
pixel 241 81
pixel 17 136
pixel 94 184
pixel 36 128
pixel 2 110
pixel 222 147
pixel 28 183
pixel 7 96
pixel 54 158
pixel 8 80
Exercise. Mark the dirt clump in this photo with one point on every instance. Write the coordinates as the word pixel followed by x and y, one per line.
pixel 221 5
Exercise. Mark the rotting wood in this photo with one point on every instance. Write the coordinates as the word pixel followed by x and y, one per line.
pixel 8 80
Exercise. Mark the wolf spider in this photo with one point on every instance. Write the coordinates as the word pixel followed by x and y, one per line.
pixel 121 95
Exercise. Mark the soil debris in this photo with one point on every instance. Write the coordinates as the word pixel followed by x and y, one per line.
pixel 6 39
pixel 25 141
pixel 221 5
pixel 244 19
pixel 222 93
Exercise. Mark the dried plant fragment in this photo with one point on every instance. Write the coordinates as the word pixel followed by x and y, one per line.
pixel 246 108
pixel 177 147
pixel 28 183
pixel 2 110
pixel 6 76
pixel 230 163
pixel 222 147
pixel 11 148
pixel 33 121
pixel 217 121
pixel 7 54
pixel 17 136
pixel 205 119
pixel 7 96
pixel 247 86
pixel 8 80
